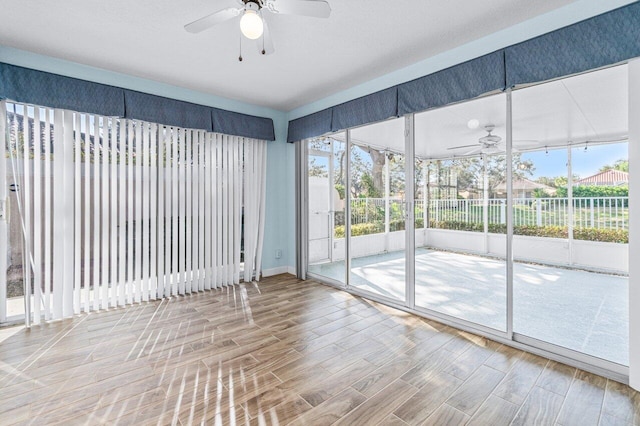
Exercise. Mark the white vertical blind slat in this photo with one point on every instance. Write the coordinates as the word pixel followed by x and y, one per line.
pixel 238 194
pixel 104 213
pixel 182 212
pixel 153 212
pixel 209 212
pixel 188 277
pixel 26 188
pixel 67 214
pixel 77 240
pixel 146 201
pixel 122 212
pixel 174 213
pixel 47 208
pixel 95 256
pixel 227 214
pixel 201 218
pixel 138 213
pixel 262 210
pixel 37 284
pixel 130 283
pixel 249 171
pixel 58 211
pixel 86 266
pixel 160 164
pixel 113 214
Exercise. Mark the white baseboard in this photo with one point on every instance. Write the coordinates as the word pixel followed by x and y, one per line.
pixel 279 270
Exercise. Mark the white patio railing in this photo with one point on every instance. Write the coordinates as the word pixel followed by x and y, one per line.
pixel 588 212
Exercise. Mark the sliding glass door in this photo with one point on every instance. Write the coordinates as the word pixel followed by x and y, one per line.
pixel 326 176
pixel 378 209
pixel 507 214
pixel 460 168
pixel 571 216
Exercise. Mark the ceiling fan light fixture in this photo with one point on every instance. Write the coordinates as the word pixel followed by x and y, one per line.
pixel 251 24
pixel 473 124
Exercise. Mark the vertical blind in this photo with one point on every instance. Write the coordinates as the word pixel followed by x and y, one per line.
pixel 116 211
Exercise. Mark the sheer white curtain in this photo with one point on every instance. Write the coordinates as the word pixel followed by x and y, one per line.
pixel 116 211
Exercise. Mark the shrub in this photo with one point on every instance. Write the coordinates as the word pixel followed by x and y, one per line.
pixel 602 235
pixel 595 191
pixel 360 229
pixel 584 234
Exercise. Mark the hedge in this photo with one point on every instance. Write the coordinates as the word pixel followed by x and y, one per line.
pixel 595 191
pixel 584 234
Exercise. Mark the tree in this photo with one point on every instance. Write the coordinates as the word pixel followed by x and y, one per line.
pixel 621 165
pixel 317 170
pixel 468 173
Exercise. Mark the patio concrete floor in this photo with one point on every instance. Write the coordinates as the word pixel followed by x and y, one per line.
pixel 580 310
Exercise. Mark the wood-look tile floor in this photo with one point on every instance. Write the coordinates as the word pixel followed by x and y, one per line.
pixel 287 352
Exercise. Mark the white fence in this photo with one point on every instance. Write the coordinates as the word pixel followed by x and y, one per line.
pixel 588 212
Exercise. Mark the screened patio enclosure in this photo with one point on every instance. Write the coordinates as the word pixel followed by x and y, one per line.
pixel 460 192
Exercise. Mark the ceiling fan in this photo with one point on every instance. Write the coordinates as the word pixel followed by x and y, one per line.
pixel 488 143
pixel 492 144
pixel 253 24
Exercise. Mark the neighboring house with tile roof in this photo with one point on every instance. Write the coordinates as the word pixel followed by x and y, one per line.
pixel 609 177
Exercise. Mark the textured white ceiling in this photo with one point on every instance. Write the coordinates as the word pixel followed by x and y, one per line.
pixel 362 39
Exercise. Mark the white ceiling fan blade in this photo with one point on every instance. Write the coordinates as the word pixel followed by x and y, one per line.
pixel 462 146
pixel 315 8
pixel 476 150
pixel 265 43
pixel 213 19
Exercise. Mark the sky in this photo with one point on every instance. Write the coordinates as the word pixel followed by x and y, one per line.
pixel 584 164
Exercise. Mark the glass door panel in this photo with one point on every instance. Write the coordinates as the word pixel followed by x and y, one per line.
pixel 571 217
pixel 327 180
pixel 377 245
pixel 460 168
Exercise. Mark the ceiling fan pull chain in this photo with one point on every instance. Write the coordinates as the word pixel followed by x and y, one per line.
pixel 240 57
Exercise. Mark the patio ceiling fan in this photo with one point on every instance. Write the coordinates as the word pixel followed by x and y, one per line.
pixel 491 144
pixel 487 144
pixel 253 22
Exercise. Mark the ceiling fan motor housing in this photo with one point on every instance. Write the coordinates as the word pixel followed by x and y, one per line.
pixel 252 5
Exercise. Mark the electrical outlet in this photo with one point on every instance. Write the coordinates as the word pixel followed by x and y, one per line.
pixel 278 254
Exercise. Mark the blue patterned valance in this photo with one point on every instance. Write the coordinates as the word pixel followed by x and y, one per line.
pixel 597 42
pixel 56 91
pixel 367 109
pixel 315 124
pixel 464 81
pixel 234 123
pixel 156 109
pixel 594 43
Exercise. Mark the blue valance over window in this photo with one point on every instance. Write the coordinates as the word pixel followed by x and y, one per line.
pixel 600 41
pixel 309 126
pixel 56 91
pixel 465 81
pixel 367 109
pixel 596 42
pixel 156 109
pixel 233 123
